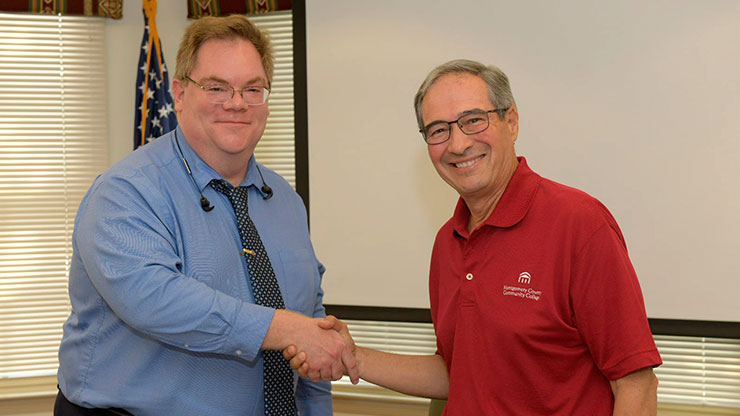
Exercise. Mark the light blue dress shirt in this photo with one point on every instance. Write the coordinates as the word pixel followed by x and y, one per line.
pixel 163 318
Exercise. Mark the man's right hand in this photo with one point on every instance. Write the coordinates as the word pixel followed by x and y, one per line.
pixel 328 353
pixel 299 359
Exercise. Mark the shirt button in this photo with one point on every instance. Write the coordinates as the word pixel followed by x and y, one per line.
pixel 469 276
pixel 238 352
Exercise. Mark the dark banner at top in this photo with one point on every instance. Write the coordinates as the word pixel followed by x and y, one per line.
pixel 200 8
pixel 101 8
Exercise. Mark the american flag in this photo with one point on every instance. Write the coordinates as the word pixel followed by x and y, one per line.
pixel 155 112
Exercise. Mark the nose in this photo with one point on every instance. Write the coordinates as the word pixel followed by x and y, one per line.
pixel 459 142
pixel 236 102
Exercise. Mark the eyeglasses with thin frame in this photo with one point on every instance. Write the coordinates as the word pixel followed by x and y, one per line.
pixel 221 92
pixel 472 122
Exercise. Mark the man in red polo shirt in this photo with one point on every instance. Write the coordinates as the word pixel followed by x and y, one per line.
pixel 535 303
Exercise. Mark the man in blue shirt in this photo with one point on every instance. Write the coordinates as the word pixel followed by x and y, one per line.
pixel 164 320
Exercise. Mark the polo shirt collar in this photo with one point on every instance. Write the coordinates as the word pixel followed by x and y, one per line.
pixel 513 205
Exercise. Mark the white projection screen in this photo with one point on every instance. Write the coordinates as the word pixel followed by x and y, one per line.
pixel 636 103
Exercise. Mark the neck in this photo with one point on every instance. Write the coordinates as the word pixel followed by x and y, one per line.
pixel 233 167
pixel 482 206
pixel 234 173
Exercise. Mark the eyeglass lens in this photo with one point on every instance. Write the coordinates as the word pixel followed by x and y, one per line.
pixel 221 93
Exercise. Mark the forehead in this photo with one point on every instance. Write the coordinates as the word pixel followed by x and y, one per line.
pixel 228 57
pixel 453 94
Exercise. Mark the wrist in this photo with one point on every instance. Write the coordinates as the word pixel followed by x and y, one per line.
pixel 360 357
pixel 283 331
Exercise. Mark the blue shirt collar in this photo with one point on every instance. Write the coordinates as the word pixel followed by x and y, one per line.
pixel 203 173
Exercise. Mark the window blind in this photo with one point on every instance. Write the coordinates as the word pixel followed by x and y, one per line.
pixel 276 149
pixel 53 142
pixel 695 371
pixel 700 371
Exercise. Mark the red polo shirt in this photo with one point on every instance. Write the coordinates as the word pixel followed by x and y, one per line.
pixel 539 307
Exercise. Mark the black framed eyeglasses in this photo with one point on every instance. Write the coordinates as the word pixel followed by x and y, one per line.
pixel 472 122
pixel 221 92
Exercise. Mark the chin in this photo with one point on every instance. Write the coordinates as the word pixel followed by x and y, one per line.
pixel 469 189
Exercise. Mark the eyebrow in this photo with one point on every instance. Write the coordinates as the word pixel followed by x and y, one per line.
pixel 256 80
pixel 461 114
pixel 250 82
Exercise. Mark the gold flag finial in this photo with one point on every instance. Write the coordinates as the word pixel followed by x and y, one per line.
pixel 150 8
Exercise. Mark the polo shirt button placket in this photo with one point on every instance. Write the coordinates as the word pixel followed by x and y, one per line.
pixel 468 291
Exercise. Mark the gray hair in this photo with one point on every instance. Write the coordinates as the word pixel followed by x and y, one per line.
pixel 499 90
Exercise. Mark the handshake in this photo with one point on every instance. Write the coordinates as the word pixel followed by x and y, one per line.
pixel 322 349
pixel 330 362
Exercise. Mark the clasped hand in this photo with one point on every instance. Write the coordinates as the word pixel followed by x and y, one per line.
pixel 346 364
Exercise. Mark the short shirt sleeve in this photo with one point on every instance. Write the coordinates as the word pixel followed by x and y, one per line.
pixel 608 306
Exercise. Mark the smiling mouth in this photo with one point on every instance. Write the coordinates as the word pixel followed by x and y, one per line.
pixel 468 163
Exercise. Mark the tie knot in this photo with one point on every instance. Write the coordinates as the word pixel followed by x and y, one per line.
pixel 221 186
pixel 237 195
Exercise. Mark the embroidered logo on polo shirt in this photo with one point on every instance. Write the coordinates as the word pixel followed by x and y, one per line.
pixel 523 292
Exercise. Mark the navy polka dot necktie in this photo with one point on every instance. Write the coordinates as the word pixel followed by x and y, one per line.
pixel 279 394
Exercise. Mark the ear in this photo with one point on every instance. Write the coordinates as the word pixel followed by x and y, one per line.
pixel 512 123
pixel 178 93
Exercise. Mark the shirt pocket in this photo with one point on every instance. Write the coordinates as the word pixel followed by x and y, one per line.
pixel 299 283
